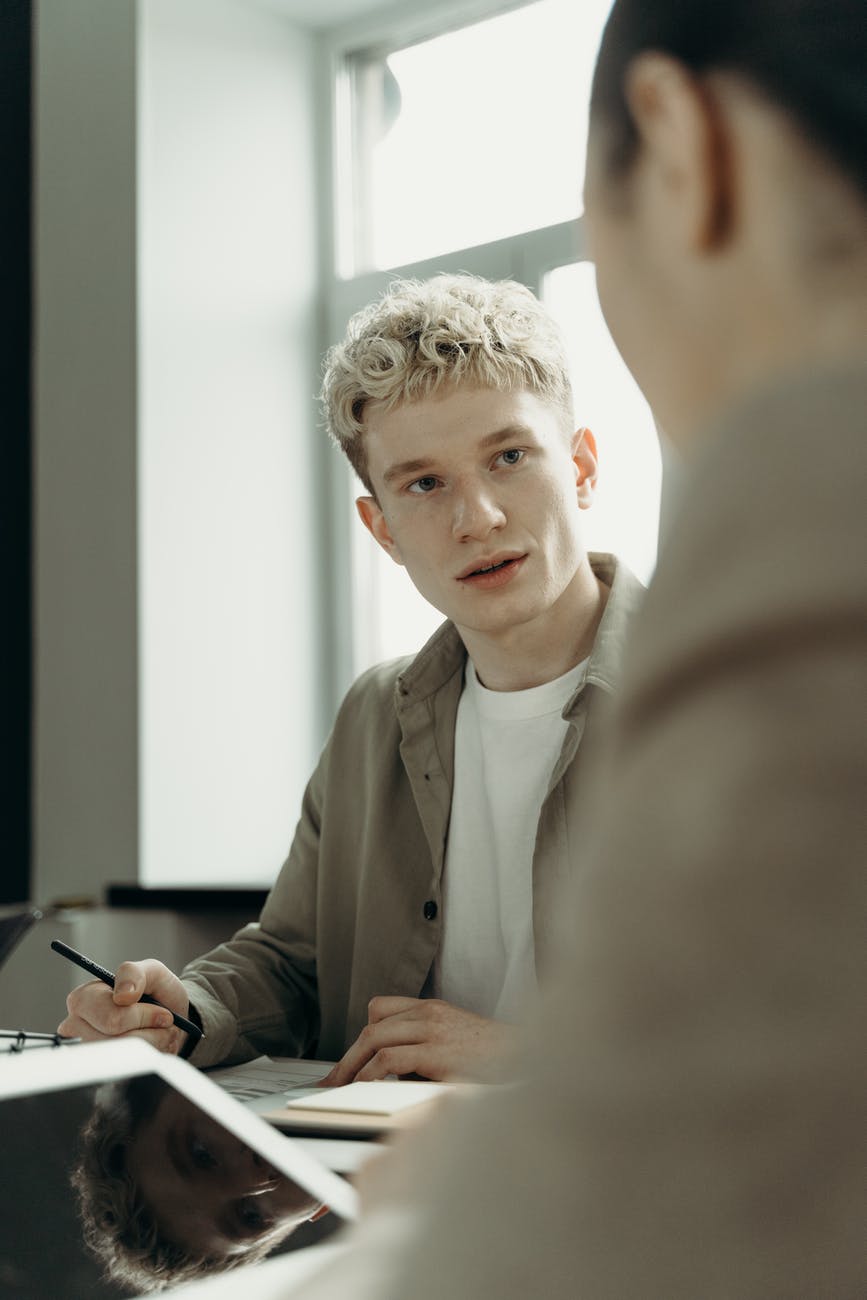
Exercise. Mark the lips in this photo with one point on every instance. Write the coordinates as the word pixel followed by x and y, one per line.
pixel 487 565
pixel 491 575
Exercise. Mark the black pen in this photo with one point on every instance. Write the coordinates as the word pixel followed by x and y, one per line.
pixel 106 976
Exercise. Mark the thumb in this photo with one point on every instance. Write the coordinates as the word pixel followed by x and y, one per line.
pixel 136 978
pixel 129 983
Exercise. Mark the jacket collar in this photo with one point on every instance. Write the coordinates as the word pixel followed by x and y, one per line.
pixel 603 668
pixel 444 654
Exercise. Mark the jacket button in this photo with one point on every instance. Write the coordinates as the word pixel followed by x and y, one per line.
pixel 429 910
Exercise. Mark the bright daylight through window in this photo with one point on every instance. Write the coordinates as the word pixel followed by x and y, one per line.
pixel 474 135
pixel 625 514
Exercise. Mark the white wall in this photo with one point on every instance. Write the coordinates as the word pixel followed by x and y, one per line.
pixel 176 354
pixel 228 351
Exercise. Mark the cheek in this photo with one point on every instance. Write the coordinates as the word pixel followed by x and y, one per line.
pixel 561 523
pixel 412 534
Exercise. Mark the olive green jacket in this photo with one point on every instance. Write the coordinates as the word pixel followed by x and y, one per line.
pixel 356 910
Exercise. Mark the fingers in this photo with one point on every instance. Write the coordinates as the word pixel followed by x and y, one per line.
pixel 382 1007
pixel 395 1031
pixel 95 1011
pixel 446 1042
pixel 92 1014
pixel 427 1037
pixel 129 982
pixel 411 1058
pixel 164 1035
pixel 379 1011
pixel 91 1006
pixel 135 978
pixel 392 1022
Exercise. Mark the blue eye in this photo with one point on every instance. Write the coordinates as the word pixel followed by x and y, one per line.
pixel 512 456
pixel 422 486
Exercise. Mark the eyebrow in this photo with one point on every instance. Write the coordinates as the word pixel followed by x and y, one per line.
pixel 405 467
pixel 508 433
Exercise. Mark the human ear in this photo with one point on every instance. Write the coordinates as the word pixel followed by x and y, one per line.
pixel 683 139
pixel 586 464
pixel 370 514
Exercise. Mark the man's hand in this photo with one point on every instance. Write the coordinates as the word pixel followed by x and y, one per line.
pixel 94 1011
pixel 427 1037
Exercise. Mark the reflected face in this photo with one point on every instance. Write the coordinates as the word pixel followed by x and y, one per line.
pixel 208 1191
pixel 479 495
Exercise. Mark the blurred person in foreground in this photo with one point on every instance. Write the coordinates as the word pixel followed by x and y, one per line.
pixel 693 1124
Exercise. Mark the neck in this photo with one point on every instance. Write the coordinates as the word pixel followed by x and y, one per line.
pixel 831 339
pixel 530 654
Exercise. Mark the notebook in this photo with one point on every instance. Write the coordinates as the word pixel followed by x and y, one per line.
pixel 122 1165
pixel 286 1093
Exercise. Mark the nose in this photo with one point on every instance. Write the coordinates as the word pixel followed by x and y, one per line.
pixel 477 512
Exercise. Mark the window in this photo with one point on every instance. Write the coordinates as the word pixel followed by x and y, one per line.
pixel 470 136
pixel 463 150
pixel 624 517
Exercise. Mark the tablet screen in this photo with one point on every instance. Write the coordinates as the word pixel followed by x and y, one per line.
pixel 124 1187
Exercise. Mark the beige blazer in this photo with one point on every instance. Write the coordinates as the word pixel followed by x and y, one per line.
pixel 694 1126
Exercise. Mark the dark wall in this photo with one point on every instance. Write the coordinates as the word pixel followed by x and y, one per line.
pixel 15 447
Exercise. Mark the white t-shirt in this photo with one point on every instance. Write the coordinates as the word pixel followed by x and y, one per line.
pixel 506 746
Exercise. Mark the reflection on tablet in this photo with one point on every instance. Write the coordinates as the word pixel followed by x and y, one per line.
pixel 124 1172
pixel 166 1193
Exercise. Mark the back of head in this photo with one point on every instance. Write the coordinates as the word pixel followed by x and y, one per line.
pixel 807 57
pixel 422 336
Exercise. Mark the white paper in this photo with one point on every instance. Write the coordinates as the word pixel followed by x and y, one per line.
pixel 381 1097
pixel 269 1076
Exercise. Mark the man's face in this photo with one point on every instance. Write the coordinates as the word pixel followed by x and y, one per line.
pixel 478 494
pixel 207 1190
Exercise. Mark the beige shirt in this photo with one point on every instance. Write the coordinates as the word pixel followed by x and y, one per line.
pixel 357 908
pixel 694 1123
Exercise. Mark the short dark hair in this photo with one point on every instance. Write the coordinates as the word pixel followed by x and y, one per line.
pixel 807 56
